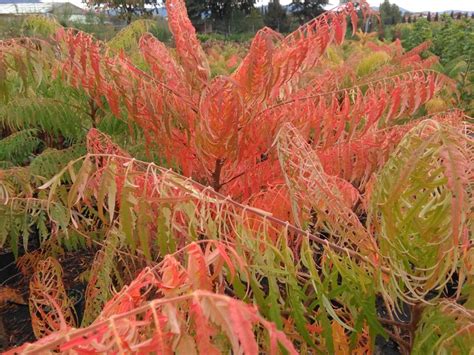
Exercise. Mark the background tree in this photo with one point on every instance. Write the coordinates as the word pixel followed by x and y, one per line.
pixel 226 15
pixel 127 8
pixel 436 18
pixel 428 17
pixel 196 10
pixel 390 13
pixel 305 10
pixel 255 20
pixel 276 17
pixel 223 9
pixel 385 10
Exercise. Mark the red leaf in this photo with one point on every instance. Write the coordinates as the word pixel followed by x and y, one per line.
pixel 395 108
pixel 204 332
pixel 197 268
pixel 354 21
pixel 188 48
pixel 340 30
pixel 242 321
pixel 255 73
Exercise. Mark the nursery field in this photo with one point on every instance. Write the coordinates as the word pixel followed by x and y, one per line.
pixel 299 194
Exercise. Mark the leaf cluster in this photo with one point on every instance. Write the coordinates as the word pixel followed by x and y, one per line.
pixel 288 198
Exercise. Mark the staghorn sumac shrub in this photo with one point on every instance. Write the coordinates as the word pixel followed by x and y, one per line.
pixel 300 201
pixel 217 129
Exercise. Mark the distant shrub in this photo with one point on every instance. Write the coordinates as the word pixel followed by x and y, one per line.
pixel 421 31
pixel 38 25
pixel 128 37
pixel 372 62
pixel 453 39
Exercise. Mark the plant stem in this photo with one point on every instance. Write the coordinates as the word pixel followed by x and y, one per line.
pixel 394 323
pixel 416 313
pixel 93 112
pixel 401 342
pixel 216 175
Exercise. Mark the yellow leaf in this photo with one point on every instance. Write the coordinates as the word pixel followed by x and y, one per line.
pixel 341 345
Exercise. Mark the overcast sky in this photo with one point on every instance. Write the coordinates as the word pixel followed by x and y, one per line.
pixel 416 5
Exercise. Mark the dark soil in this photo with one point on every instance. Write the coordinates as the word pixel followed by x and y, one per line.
pixel 389 346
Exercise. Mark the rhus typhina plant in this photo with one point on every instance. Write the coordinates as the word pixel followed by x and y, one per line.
pixel 218 130
pixel 224 57
pixel 44 120
pixel 186 116
pixel 293 204
pixel 173 307
pixel 187 211
pixel 43 125
pixel 317 288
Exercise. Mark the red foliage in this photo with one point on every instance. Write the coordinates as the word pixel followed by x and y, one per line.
pixel 183 119
pixel 278 133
